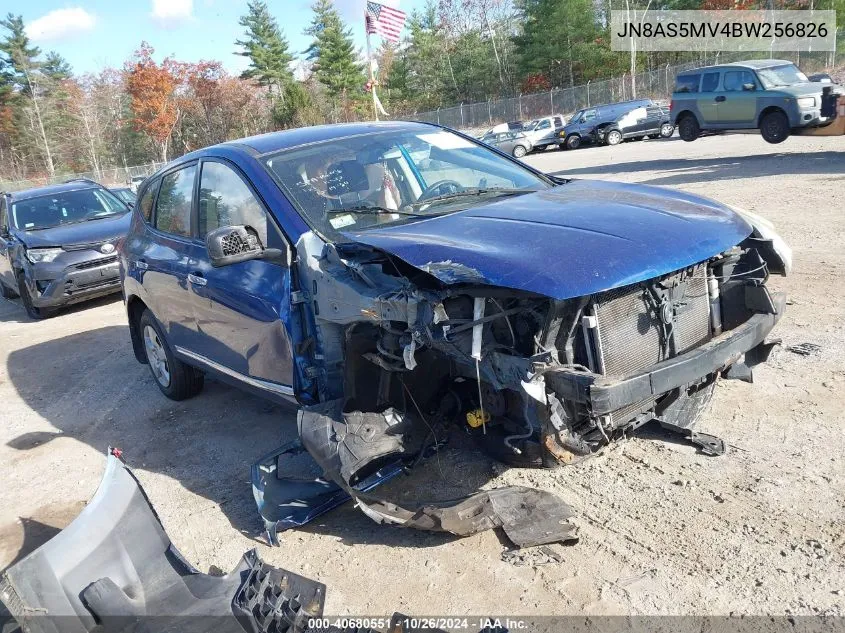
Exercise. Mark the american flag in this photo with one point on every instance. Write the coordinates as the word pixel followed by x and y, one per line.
pixel 384 21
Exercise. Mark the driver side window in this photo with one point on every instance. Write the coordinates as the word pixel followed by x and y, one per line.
pixel 225 200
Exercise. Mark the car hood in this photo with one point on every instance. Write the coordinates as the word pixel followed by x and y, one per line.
pixel 89 232
pixel 807 89
pixel 576 239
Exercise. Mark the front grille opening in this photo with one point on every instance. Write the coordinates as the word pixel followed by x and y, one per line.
pixel 95 263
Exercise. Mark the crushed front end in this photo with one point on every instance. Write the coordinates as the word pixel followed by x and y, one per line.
pixel 398 357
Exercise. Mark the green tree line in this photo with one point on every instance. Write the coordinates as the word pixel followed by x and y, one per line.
pixel 54 122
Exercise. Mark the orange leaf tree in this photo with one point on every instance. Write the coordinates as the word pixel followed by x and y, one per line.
pixel 154 99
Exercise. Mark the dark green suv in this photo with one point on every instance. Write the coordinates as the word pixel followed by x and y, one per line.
pixel 771 95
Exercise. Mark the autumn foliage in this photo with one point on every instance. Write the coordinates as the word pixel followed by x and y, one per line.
pixel 537 82
pixel 154 102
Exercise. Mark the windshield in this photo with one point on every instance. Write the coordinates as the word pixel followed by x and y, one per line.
pixel 66 207
pixel 785 75
pixel 364 182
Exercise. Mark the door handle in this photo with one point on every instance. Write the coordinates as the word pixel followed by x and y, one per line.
pixel 142 265
pixel 720 98
pixel 197 280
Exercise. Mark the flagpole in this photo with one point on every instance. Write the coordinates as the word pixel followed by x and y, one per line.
pixel 370 65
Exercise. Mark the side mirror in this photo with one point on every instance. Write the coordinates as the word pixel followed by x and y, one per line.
pixel 233 244
pixel 822 78
pixel 749 87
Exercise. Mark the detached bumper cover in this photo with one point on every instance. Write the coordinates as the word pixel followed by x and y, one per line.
pixel 115 567
pixel 605 395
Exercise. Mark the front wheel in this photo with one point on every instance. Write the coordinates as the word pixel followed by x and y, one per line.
pixel 175 379
pixel 689 129
pixel 667 130
pixel 573 142
pixel 614 137
pixel 26 299
pixel 519 151
pixel 774 127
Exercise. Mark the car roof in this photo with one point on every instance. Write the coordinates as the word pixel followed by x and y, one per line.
pixel 755 64
pixel 27 194
pixel 287 139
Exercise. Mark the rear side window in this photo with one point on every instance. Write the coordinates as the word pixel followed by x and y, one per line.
pixel 687 83
pixel 710 82
pixel 736 79
pixel 146 202
pixel 225 200
pixel 173 207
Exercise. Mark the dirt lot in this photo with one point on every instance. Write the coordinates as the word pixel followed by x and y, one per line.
pixel 663 530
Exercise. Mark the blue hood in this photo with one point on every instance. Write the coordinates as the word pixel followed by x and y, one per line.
pixel 90 232
pixel 576 239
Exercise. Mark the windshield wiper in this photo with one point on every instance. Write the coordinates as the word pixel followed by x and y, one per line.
pixel 369 210
pixel 475 191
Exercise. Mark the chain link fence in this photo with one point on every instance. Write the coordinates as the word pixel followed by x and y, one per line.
pixel 110 177
pixel 654 84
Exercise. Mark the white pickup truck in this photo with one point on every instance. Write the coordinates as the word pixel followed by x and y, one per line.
pixel 543 132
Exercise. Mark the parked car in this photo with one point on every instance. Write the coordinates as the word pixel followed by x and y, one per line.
pixel 391 276
pixel 513 143
pixel 126 195
pixel 58 245
pixel 771 95
pixel 543 132
pixel 582 126
pixel 651 121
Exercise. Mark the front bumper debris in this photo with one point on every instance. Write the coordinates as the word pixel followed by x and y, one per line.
pixel 115 567
pixel 349 446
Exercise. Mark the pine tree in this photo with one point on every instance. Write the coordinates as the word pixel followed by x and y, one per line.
pixel 333 56
pixel 56 67
pixel 266 47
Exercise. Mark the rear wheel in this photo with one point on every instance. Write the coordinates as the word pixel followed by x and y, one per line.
pixel 26 299
pixel 573 142
pixel 176 380
pixel 519 151
pixel 774 127
pixel 614 137
pixel 689 129
pixel 667 130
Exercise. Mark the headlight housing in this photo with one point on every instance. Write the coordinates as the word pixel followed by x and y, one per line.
pixel 38 255
pixel 806 102
pixel 765 230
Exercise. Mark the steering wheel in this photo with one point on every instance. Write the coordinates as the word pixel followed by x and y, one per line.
pixel 441 188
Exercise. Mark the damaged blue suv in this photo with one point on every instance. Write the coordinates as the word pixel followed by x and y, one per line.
pixel 395 279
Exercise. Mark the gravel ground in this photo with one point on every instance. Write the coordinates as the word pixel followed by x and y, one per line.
pixel 664 530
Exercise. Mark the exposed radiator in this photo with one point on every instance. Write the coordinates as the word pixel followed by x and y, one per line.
pixel 631 332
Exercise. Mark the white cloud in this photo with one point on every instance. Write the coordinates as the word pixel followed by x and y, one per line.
pixel 60 24
pixel 172 12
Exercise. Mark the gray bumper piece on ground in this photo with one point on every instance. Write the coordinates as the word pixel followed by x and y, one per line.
pixel 114 569
pixel 344 444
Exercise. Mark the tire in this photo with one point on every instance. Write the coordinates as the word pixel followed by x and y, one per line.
pixel 774 127
pixel 573 142
pixel 519 151
pixel 26 299
pixel 667 130
pixel 175 379
pixel 7 293
pixel 689 129
pixel 653 136
pixel 614 137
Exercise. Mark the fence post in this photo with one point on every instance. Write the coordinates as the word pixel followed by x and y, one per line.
pixel 520 106
pixel 588 92
pixel 552 101
pixel 462 114
pixel 438 116
pixel 668 89
pixel 489 112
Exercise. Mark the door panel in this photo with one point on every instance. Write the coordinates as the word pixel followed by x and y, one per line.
pixel 5 244
pixel 739 105
pixel 241 311
pixel 708 100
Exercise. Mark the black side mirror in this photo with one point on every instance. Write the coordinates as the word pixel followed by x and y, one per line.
pixel 749 87
pixel 233 244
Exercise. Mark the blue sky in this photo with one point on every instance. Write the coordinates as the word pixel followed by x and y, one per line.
pixel 93 34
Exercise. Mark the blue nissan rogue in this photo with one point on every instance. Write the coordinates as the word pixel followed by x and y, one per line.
pixel 410 274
